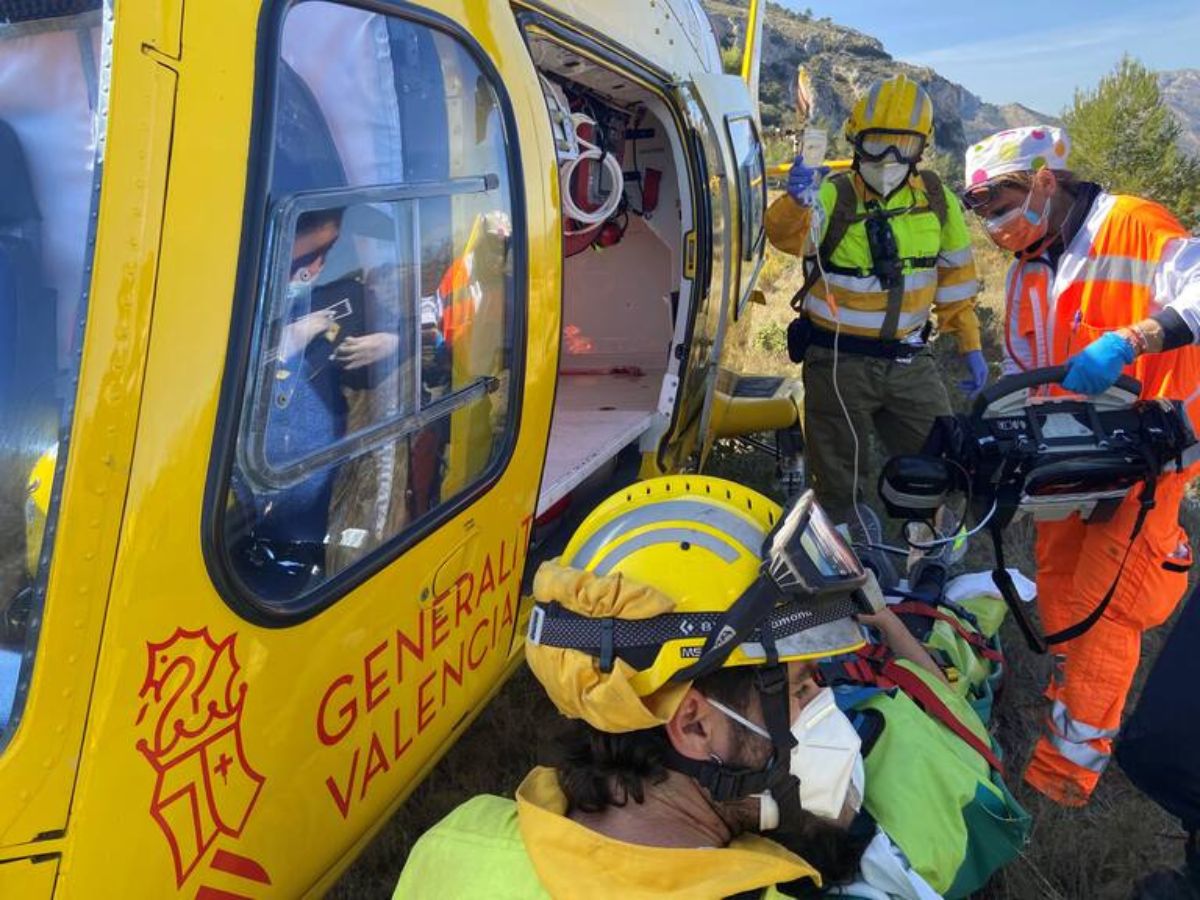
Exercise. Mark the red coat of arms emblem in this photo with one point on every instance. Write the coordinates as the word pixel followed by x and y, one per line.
pixel 191 725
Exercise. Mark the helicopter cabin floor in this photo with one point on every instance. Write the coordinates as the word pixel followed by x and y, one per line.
pixel 595 417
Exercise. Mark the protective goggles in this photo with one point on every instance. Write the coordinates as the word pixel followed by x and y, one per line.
pixel 902 146
pixel 809 577
pixel 981 196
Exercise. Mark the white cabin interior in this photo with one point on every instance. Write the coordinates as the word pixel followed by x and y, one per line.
pixel 624 300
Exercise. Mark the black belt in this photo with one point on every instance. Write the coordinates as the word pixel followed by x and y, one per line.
pixel 861 346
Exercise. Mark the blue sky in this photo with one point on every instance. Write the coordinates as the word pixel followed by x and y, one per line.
pixel 1025 51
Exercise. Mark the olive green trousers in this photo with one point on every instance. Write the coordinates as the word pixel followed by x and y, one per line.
pixel 895 400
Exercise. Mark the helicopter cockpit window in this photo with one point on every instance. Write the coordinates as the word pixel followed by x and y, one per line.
pixel 378 390
pixel 752 198
pixel 53 98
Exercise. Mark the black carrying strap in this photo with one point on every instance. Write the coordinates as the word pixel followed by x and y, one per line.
pixel 1073 631
pixel 1037 642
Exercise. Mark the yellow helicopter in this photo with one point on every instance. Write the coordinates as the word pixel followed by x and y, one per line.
pixel 317 317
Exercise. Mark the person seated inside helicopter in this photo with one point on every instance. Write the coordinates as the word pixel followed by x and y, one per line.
pixel 327 355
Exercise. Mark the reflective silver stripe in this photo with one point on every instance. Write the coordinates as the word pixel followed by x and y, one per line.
pixel 722 548
pixel 955 258
pixel 859 319
pixel 956 292
pixel 913 281
pixel 720 520
pixel 918 108
pixel 1041 350
pixel 1075 731
pixel 1014 291
pixel 1071 264
pixel 1082 755
pixel 1125 269
pixel 872 99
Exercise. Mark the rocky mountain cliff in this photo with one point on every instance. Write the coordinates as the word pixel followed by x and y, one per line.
pixel 842 63
pixel 1181 90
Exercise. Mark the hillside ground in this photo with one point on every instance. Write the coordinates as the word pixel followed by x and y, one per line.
pixel 1097 852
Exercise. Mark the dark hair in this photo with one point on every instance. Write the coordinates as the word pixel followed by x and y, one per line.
pixel 311 219
pixel 597 769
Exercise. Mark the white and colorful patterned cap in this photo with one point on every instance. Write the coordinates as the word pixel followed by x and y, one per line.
pixel 1017 150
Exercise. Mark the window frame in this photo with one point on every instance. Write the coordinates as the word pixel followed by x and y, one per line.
pixel 748 250
pixel 40 581
pixel 257 258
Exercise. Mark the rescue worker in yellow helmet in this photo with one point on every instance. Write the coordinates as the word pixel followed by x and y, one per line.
pixel 704 761
pixel 885 246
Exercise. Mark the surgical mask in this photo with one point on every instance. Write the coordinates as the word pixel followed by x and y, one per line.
pixel 826 760
pixel 299 289
pixel 1019 230
pixel 885 178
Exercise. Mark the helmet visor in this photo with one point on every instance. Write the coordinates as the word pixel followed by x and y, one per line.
pixel 902 146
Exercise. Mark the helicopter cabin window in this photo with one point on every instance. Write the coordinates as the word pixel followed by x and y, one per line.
pixel 53 100
pixel 626 206
pixel 752 199
pixel 378 390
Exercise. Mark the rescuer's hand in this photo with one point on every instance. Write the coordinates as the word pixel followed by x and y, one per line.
pixel 802 182
pixel 357 352
pixel 298 334
pixel 978 368
pixel 1098 366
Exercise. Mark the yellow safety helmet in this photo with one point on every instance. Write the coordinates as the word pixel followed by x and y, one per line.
pixel 655 577
pixel 37 505
pixel 897 104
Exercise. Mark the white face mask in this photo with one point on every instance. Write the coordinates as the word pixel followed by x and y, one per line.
pixel 826 760
pixel 884 177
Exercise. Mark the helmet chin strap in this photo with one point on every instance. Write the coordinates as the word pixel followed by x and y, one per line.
pixel 724 783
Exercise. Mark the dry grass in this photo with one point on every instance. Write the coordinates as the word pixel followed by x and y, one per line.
pixel 1097 852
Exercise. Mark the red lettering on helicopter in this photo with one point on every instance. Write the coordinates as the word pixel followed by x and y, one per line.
pixel 191 713
pixel 401 686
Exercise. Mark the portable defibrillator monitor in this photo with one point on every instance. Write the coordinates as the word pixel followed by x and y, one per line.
pixel 1049 456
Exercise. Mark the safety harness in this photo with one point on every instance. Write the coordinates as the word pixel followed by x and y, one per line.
pixel 876 666
pixel 886 263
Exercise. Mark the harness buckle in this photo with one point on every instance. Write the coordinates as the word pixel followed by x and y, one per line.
pixel 537 620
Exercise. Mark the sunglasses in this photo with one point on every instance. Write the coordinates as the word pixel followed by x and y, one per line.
pixel 982 195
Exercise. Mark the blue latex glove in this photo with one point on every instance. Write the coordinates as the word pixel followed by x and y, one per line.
pixel 1098 366
pixel 802 182
pixel 978 368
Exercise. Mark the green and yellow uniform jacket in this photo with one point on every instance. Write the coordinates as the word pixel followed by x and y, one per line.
pixel 935 259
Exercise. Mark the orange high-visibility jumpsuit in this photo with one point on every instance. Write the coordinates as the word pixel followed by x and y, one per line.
pixel 1103 280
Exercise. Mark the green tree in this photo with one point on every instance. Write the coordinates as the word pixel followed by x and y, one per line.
pixel 1124 137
